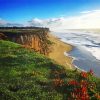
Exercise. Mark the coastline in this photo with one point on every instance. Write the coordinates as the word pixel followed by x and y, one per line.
pixel 63 58
pixel 86 61
pixel 58 50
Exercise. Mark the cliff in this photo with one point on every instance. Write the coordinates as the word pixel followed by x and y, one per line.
pixel 36 39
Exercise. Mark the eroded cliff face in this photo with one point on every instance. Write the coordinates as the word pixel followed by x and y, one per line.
pixel 36 40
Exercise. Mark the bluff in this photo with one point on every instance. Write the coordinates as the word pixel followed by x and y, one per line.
pixel 36 39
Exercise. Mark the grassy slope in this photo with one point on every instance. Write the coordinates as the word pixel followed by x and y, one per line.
pixel 25 75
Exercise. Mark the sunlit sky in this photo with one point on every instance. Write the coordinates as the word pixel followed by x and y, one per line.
pixel 46 11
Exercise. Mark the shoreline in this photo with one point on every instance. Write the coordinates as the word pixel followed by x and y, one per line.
pixel 66 52
pixel 58 50
pixel 86 61
pixel 69 59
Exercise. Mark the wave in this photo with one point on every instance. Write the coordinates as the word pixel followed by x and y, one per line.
pixel 89 40
pixel 74 58
pixel 95 51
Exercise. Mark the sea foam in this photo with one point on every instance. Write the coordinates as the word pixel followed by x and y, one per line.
pixel 88 40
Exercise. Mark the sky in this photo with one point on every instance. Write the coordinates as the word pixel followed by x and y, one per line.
pixel 51 13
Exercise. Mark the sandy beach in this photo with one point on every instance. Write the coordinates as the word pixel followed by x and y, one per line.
pixel 57 50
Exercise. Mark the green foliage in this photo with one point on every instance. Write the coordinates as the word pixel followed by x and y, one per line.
pixel 27 75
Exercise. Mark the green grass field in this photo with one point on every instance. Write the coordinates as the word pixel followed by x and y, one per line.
pixel 27 75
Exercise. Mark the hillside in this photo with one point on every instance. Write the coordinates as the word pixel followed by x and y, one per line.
pixel 27 75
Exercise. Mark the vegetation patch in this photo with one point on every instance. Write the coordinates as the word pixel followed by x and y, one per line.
pixel 27 75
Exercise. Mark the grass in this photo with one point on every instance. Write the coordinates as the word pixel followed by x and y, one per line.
pixel 27 75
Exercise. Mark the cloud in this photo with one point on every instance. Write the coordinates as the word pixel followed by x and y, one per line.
pixel 87 19
pixel 85 12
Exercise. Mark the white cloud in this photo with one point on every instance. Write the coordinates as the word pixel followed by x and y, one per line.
pixel 85 12
pixel 87 19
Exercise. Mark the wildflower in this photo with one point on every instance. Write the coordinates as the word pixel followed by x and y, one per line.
pixel 84 74
pixel 84 90
pixel 73 82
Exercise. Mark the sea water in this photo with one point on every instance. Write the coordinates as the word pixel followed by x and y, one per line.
pixel 86 49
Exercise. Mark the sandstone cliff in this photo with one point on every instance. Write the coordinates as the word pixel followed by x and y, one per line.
pixel 36 39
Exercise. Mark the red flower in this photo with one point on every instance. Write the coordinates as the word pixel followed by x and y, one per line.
pixel 84 74
pixel 84 90
pixel 73 82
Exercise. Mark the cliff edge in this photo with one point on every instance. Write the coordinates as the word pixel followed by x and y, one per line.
pixel 36 39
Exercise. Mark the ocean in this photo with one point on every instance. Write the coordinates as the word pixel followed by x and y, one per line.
pixel 86 51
